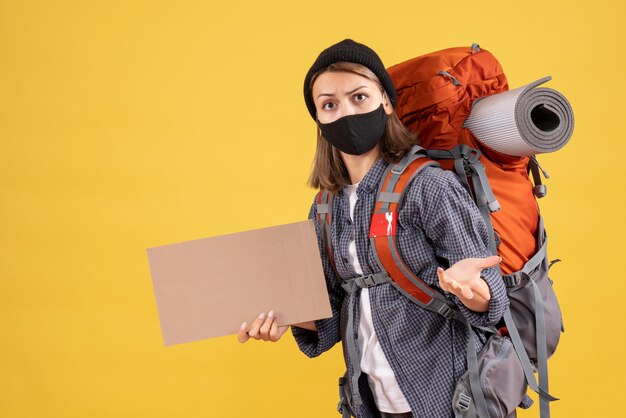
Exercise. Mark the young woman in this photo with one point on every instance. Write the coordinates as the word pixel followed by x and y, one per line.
pixel 408 359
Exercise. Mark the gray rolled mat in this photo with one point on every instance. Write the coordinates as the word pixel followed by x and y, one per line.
pixel 524 121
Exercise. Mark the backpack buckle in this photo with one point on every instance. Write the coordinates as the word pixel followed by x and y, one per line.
pixel 466 153
pixel 365 281
pixel 513 279
pixel 371 280
pixel 446 311
pixel 464 402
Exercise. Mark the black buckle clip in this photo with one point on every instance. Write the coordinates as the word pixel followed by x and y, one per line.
pixel 445 311
pixel 513 279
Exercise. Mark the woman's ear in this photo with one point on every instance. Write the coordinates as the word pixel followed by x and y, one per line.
pixel 387 104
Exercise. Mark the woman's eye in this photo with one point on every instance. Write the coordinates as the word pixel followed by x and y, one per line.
pixel 359 97
pixel 328 106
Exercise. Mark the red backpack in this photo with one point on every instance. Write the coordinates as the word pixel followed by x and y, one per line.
pixel 435 96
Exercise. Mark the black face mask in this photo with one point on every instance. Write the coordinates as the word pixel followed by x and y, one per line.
pixel 356 134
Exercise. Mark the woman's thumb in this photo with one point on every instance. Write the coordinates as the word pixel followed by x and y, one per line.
pixel 490 261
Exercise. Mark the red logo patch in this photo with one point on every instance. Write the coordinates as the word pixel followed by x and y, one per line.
pixel 383 224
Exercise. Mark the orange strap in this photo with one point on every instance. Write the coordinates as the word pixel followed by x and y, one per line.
pixel 383 230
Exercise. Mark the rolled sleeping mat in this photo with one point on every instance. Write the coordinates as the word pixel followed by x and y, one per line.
pixel 524 121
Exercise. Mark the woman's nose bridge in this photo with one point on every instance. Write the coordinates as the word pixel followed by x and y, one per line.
pixel 347 108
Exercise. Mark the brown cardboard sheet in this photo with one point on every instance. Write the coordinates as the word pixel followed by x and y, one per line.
pixel 207 287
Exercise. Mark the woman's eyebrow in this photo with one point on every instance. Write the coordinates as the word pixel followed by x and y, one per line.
pixel 348 93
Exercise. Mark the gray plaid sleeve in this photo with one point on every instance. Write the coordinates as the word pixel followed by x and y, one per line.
pixel 451 221
pixel 314 343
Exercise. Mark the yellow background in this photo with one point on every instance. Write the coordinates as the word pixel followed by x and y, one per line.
pixel 130 124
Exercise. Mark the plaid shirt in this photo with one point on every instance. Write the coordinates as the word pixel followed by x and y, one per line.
pixel 438 225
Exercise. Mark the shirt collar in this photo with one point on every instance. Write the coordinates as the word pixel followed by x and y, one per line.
pixel 370 182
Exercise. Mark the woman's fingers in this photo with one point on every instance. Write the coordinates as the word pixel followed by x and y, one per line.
pixel 467 292
pixel 265 327
pixel 256 326
pixel 460 290
pixel 490 261
pixel 451 285
pixel 471 265
pixel 264 331
pixel 443 280
pixel 277 331
pixel 243 333
pixel 482 289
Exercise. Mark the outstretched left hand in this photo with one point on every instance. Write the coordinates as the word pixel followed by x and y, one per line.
pixel 463 279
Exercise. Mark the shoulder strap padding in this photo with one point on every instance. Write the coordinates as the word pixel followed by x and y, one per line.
pixel 383 233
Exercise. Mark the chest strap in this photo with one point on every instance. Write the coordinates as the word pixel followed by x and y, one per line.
pixel 363 282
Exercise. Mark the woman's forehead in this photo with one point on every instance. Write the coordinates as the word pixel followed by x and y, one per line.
pixel 337 82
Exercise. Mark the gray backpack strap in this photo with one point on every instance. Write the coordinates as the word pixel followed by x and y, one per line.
pixel 541 346
pixel 351 347
pixel 344 407
pixel 351 286
pixel 346 401
pixel 483 195
pixel 524 360
pixel 467 165
pixel 542 355
pixel 324 208
pixel 474 376
pixel 459 165
pixel 480 183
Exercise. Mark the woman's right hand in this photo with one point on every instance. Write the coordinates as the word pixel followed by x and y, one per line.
pixel 265 327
